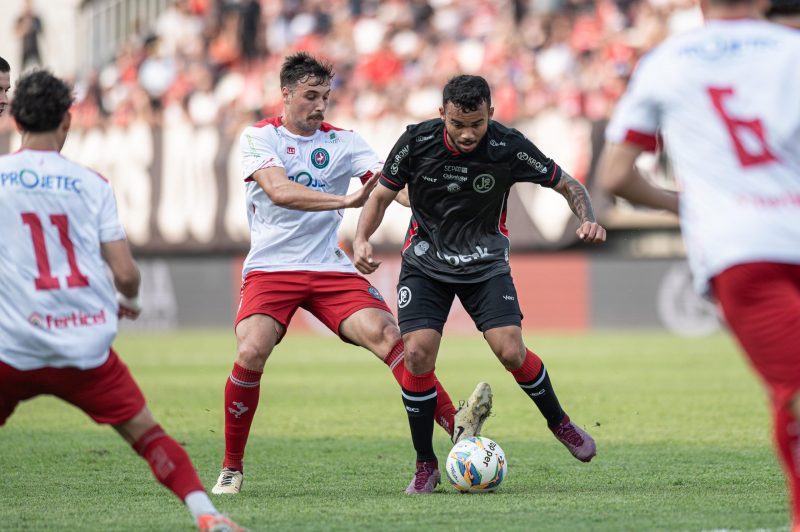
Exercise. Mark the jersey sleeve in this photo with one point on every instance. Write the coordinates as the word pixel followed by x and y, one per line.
pixel 110 228
pixel 396 170
pixel 366 162
pixel 258 148
pixel 636 117
pixel 530 165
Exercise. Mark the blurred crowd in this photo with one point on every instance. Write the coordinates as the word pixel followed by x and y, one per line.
pixel 219 59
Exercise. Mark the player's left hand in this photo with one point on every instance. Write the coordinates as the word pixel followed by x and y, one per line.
pixel 591 232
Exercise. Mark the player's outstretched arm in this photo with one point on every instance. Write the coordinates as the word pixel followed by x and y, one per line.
pixel 370 219
pixel 578 199
pixel 291 195
pixel 117 255
pixel 618 175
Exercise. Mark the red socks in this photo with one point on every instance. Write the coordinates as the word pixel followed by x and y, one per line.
pixel 445 411
pixel 169 462
pixel 241 399
pixel 529 369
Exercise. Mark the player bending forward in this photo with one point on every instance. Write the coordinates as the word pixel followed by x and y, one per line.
pixel 459 170
pixel 58 306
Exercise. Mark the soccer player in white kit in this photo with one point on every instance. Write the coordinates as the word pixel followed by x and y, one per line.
pixel 725 100
pixel 58 308
pixel 297 170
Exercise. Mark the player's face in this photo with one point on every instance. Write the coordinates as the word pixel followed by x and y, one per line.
pixel 465 129
pixel 5 85
pixel 305 105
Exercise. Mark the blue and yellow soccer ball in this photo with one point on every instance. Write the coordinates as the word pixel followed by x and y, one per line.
pixel 476 465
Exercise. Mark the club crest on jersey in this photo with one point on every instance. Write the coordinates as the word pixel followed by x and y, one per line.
pixel 374 293
pixel 403 296
pixel 320 158
pixel 483 183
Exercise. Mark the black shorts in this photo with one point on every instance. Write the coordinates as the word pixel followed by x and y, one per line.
pixel 424 303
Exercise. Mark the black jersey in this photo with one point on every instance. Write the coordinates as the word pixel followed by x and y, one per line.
pixel 458 200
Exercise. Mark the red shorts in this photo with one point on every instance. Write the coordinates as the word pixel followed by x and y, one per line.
pixel 761 301
pixel 330 296
pixel 107 393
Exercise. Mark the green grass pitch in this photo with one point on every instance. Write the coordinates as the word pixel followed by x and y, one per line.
pixel 681 424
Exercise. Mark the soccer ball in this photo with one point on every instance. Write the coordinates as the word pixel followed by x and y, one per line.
pixel 476 465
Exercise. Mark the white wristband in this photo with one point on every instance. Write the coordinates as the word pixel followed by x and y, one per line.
pixel 131 303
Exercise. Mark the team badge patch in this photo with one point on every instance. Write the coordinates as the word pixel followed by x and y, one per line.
pixel 483 183
pixel 320 158
pixel 403 296
pixel 374 293
pixel 290 150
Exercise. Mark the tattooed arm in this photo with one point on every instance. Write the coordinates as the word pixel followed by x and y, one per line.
pixel 578 200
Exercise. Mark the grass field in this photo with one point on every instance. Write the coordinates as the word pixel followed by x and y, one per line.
pixel 682 430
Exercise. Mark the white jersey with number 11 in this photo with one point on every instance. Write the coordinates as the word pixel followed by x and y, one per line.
pixel 57 303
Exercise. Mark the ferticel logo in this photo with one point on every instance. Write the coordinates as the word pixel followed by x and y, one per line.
pixel 320 158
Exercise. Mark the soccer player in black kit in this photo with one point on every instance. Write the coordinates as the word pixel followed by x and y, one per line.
pixel 459 170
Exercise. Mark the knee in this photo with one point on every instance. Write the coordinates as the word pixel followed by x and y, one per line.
pixel 251 355
pixel 511 356
pixel 417 359
pixel 390 335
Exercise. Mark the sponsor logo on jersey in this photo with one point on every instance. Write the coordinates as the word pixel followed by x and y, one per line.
pixel 397 158
pixel 483 183
pixel 374 293
pixel 67 321
pixel 403 296
pixel 453 187
pixel 307 180
pixel 429 179
pixel 291 150
pixel 457 260
pixel 30 180
pixel 495 143
pixel 532 162
pixel 421 248
pixel 508 297
pixel 423 138
pixel 320 158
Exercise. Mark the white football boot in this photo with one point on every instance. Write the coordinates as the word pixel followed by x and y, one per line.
pixel 470 416
pixel 229 482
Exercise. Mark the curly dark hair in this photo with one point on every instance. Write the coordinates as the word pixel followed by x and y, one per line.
pixel 40 101
pixel 467 92
pixel 4 66
pixel 299 67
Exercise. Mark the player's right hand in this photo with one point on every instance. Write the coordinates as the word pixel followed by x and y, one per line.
pixel 129 307
pixel 362 255
pixel 360 196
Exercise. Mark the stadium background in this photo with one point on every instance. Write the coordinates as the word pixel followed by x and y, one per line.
pixel 163 89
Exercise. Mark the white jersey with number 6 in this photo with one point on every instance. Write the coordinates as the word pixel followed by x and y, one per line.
pixel 57 303
pixel 726 99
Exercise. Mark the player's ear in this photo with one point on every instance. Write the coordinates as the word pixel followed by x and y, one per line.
pixel 491 112
pixel 441 113
pixel 66 122
pixel 285 92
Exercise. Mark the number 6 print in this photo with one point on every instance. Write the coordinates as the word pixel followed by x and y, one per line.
pixel 736 127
